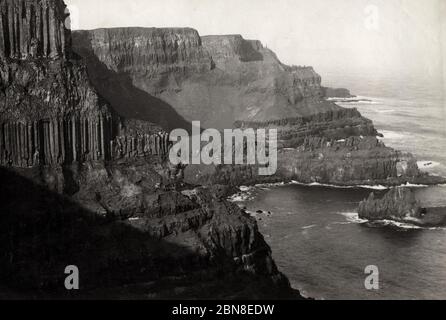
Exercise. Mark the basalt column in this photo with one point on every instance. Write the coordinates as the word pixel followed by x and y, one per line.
pixel 33 28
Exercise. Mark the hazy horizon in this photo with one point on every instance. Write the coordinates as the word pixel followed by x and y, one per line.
pixel 384 38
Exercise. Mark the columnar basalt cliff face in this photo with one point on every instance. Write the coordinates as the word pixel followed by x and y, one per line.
pixel 87 170
pixel 33 29
pixel 336 147
pixel 148 52
pixel 401 205
pixel 50 114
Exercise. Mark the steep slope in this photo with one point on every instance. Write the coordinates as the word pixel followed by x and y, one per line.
pixel 74 172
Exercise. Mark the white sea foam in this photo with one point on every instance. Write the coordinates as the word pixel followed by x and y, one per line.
pixel 386 111
pixel 240 197
pixel 411 185
pixel 353 217
pixel 309 227
pixel 354 100
pixel 317 184
pixel 247 193
pixel 270 185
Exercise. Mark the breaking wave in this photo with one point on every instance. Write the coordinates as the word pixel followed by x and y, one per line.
pixel 353 217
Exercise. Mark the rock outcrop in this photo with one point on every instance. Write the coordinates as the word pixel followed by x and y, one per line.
pixel 397 204
pixel 196 246
pixel 337 147
pixel 99 191
pixel 401 205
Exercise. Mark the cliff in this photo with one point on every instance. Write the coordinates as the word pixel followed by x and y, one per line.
pixel 49 112
pixel 207 248
pixel 336 147
pixel 227 81
pixel 99 191
pixel 197 76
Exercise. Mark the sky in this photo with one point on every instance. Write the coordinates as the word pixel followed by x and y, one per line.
pixel 386 38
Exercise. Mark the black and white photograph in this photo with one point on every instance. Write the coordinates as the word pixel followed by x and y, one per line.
pixel 210 150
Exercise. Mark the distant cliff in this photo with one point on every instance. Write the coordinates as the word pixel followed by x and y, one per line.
pixel 227 81
pixel 215 79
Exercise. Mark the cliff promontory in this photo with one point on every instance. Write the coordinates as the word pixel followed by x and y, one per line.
pixel 225 81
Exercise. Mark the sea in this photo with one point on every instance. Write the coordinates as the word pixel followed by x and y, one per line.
pixel 314 231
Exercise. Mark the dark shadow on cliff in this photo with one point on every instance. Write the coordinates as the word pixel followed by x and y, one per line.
pixel 125 98
pixel 42 232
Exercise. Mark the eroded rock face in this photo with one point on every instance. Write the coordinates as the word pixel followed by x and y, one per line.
pixel 195 240
pixel 99 193
pixel 49 112
pixel 397 204
pixel 227 81
pixel 197 76
pixel 149 52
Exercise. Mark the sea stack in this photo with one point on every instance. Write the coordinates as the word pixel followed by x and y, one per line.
pixel 398 204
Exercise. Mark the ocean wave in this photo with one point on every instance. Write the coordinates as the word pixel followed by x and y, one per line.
pixel 309 227
pixel 354 100
pixel 317 184
pixel 247 192
pixel 353 217
pixel 411 185
pixel 386 111
pixel 270 185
